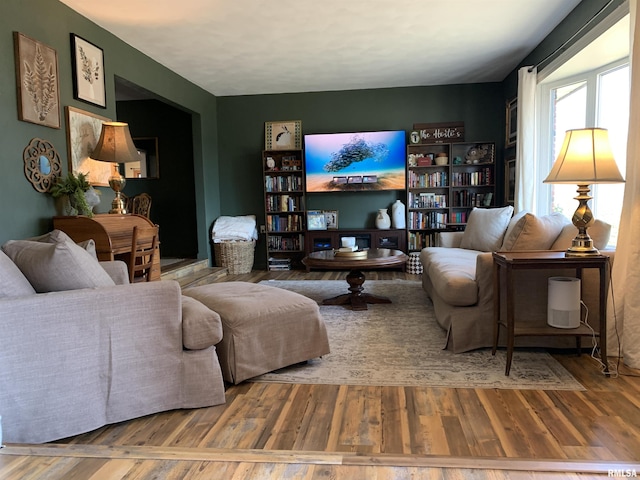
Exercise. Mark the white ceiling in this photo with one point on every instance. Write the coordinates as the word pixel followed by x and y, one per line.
pixel 246 47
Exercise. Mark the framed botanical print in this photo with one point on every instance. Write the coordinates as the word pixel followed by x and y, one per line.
pixel 511 135
pixel 331 219
pixel 510 181
pixel 88 72
pixel 37 81
pixel 285 135
pixel 83 133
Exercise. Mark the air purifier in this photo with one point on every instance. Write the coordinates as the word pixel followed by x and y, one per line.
pixel 563 310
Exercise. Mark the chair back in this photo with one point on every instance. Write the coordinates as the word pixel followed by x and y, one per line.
pixel 143 250
pixel 141 204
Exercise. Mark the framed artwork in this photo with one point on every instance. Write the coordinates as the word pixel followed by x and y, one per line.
pixel 316 221
pixel 285 135
pixel 83 133
pixel 37 81
pixel 148 166
pixel 512 123
pixel 331 219
pixel 510 181
pixel 88 72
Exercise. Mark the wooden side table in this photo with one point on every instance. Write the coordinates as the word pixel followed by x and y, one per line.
pixel 504 263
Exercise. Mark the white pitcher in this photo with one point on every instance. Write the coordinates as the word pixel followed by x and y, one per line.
pixel 398 215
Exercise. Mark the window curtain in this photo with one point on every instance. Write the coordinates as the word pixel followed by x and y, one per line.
pixel 623 312
pixel 526 145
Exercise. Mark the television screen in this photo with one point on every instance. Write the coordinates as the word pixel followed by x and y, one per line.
pixel 346 162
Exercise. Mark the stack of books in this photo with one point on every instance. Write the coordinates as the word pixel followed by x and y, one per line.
pixel 279 263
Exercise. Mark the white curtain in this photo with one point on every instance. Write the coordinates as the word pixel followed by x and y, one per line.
pixel 526 146
pixel 623 322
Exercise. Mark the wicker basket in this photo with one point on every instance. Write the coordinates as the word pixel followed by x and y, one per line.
pixel 237 257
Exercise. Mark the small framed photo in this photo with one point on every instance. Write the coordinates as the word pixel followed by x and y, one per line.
pixel 286 135
pixel 512 123
pixel 88 72
pixel 510 181
pixel 37 82
pixel 331 219
pixel 316 220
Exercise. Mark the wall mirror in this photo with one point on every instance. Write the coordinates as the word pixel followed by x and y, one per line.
pixel 148 166
pixel 42 165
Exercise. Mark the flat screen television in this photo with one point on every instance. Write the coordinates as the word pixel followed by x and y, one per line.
pixel 360 161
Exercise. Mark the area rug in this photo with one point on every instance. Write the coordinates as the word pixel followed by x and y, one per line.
pixel 401 344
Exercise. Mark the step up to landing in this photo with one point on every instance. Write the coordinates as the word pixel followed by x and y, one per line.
pixel 192 272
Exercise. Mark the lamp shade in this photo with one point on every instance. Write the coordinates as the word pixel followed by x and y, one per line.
pixel 115 144
pixel 585 158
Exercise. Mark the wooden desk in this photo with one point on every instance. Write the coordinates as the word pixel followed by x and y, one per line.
pixel 112 234
pixel 506 262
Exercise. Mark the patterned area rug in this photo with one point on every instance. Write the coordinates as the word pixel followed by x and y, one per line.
pixel 401 344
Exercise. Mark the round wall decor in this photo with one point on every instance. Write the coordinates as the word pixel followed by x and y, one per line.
pixel 41 164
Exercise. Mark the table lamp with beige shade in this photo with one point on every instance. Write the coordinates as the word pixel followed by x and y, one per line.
pixel 585 158
pixel 116 146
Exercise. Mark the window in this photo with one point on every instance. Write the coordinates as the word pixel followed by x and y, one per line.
pixel 597 98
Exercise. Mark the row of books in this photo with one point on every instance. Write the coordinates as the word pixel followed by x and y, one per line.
pixel 283 203
pixel 279 263
pixel 431 180
pixel 465 198
pixel 427 200
pixel 459 217
pixel 284 223
pixel 420 240
pixel 283 183
pixel 479 177
pixel 288 243
pixel 427 220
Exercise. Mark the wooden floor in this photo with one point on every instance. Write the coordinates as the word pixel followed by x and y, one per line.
pixel 357 432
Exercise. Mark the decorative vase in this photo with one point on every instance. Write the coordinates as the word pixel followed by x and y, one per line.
pixel 398 214
pixel 383 222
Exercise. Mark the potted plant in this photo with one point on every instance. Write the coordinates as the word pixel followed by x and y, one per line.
pixel 79 195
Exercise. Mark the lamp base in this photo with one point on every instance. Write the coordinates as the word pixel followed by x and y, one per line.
pixel 117 183
pixel 582 245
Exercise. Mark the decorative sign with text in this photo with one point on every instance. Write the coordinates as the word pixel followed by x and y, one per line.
pixel 440 132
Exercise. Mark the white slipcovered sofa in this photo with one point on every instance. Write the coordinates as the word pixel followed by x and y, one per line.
pixel 458 274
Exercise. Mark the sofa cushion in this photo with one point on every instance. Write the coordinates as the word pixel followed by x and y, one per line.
pixel 599 232
pixel 58 235
pixel 527 231
pixel 453 274
pixel 485 228
pixel 201 326
pixel 12 282
pixel 56 266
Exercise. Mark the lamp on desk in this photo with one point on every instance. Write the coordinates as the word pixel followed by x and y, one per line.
pixel 116 146
pixel 585 158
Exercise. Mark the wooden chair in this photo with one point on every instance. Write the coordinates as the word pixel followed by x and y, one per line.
pixel 141 204
pixel 143 250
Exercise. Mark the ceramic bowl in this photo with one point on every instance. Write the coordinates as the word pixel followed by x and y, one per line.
pixel 442 160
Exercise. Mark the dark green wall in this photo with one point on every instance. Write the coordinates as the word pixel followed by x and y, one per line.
pixel 241 136
pixel 24 212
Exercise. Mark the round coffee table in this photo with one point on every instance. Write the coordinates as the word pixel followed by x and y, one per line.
pixel 375 258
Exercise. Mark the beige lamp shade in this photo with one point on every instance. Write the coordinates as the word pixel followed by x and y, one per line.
pixel 585 158
pixel 115 144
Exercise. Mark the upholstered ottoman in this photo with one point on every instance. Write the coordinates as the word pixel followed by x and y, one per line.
pixel 264 328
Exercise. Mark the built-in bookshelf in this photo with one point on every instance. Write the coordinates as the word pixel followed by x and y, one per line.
pixel 444 182
pixel 284 201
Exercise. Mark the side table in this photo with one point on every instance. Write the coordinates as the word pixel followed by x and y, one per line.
pixel 504 263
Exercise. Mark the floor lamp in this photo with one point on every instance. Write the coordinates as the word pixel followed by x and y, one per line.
pixel 116 146
pixel 585 158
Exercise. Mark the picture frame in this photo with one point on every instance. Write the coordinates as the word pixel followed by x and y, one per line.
pixel 511 135
pixel 284 135
pixel 331 219
pixel 83 133
pixel 316 220
pixel 37 81
pixel 88 76
pixel 510 181
pixel 149 165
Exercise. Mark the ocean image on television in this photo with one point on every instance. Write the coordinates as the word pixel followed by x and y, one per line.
pixel 367 161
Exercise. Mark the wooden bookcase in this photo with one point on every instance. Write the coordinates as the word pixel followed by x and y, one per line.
pixel 440 197
pixel 284 200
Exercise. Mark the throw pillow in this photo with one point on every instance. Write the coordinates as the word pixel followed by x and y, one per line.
pixel 599 232
pixel 201 326
pixel 485 228
pixel 59 236
pixel 12 282
pixel 57 266
pixel 530 232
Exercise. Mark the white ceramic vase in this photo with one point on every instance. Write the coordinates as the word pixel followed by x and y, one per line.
pixel 383 222
pixel 398 217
